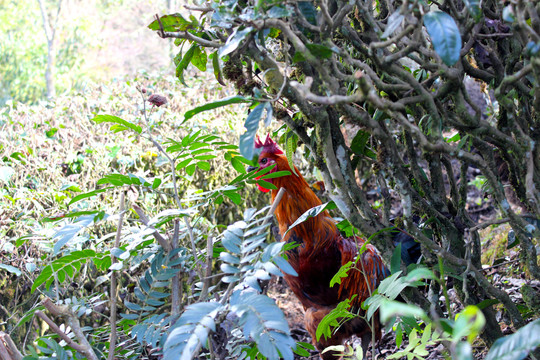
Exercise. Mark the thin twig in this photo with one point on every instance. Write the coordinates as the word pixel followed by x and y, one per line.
pixel 272 209
pixel 489 223
pixel 501 264
pixel 69 341
pixel 72 320
pixel 113 291
pixel 145 220
pixel 176 290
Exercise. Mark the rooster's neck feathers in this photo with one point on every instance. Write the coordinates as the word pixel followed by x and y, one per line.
pixel 298 199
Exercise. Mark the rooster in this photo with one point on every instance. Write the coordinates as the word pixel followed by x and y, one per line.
pixel 320 253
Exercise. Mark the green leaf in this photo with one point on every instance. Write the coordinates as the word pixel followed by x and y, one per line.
pixel 358 144
pixel 124 125
pixel 445 36
pixel 213 105
pixel 203 165
pixel 234 41
pixel 88 195
pixel 291 142
pixel 182 164
pixel 395 262
pixel 342 273
pixel 469 322
pixel 190 170
pixel 275 175
pixel 11 269
pixel 204 157
pixel 156 183
pixel 399 335
pixel 71 187
pixel 261 172
pixel 340 312
pixel 50 133
pixel 394 22
pixel 116 180
pixel 454 138
pixel 238 165
pixel 473 7
pixel 278 11
pixel 518 345
pixel 191 330
pixel 173 22
pixel 319 51
pixel 314 211
pixel 285 266
pixel 487 303
pixel 183 63
pixel 266 185
pixel 247 139
pixel 308 11
pixel 217 69
pixel 65 267
pixel 390 309
pixel 199 58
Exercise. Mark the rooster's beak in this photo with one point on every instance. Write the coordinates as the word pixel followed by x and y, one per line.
pixel 251 168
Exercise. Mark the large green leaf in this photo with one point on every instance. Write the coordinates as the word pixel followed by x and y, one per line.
pixel 191 331
pixel 234 41
pixel 319 51
pixel 308 11
pixel 395 261
pixel 389 309
pixel 247 139
pixel 199 58
pixel 217 69
pixel 444 35
pixel 182 62
pixel 121 124
pixel 518 345
pixel 394 22
pixel 291 143
pixel 214 105
pixel 11 269
pixel 88 194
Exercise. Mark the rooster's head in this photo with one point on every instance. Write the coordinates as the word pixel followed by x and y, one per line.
pixel 270 155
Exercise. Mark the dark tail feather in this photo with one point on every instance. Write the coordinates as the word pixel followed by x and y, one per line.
pixel 410 248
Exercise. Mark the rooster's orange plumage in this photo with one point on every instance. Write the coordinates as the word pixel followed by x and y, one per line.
pixel 321 252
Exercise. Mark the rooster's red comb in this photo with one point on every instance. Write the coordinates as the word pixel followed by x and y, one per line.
pixel 269 145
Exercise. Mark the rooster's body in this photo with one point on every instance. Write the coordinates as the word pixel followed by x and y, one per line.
pixel 320 253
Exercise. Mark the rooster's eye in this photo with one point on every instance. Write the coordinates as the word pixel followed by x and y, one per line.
pixel 264 160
